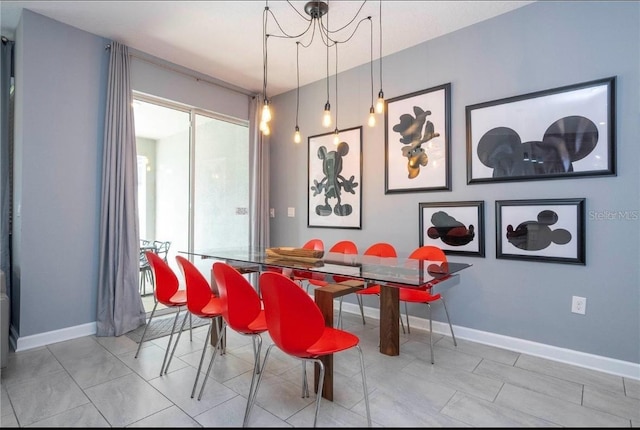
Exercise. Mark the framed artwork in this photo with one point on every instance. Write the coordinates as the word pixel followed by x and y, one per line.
pixel 541 230
pixel 565 132
pixel 417 149
pixel 335 180
pixel 455 227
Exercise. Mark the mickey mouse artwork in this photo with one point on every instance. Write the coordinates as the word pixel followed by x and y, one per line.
pixel 565 141
pixel 333 184
pixel 449 230
pixel 537 235
pixel 413 136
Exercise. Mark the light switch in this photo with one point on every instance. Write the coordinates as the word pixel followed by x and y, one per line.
pixel 272 213
pixel 291 212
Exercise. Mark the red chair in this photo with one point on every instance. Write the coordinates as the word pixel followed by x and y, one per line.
pixel 297 327
pixel 342 247
pixel 242 312
pixel 201 302
pixel 380 249
pixel 411 295
pixel 168 293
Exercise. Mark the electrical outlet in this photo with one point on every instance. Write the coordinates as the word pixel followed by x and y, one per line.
pixel 272 213
pixel 579 305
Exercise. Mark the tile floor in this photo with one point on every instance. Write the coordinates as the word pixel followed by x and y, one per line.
pixel 97 382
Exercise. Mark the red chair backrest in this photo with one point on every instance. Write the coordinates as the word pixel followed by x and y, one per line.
pixel 198 289
pixel 240 302
pixel 429 252
pixel 293 319
pixel 344 247
pixel 381 249
pixel 166 281
pixel 315 244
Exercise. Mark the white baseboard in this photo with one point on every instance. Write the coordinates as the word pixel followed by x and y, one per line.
pixel 29 342
pixel 575 358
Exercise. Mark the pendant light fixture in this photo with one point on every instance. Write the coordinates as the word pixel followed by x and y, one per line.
pixel 336 134
pixel 380 102
pixel 317 17
pixel 296 136
pixel 326 116
pixel 372 113
pixel 266 110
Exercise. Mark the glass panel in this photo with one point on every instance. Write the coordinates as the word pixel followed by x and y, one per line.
pixel 162 137
pixel 221 184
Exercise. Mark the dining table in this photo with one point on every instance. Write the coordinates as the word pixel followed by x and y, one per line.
pixel 360 271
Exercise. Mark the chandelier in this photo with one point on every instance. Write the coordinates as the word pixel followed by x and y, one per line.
pixel 318 23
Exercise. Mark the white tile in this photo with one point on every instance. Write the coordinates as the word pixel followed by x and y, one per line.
pixel 126 400
pixel 554 410
pixel 45 397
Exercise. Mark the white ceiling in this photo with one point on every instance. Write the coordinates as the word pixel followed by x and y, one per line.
pixel 223 39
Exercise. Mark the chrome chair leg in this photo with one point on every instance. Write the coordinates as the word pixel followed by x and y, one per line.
pixel 449 321
pixel 320 387
pixel 256 371
pixel 184 320
pixel 204 351
pixel 173 329
pixel 430 332
pixel 406 312
pixel 359 298
pixel 252 396
pixel 145 329
pixel 305 384
pixel 364 386
pixel 213 357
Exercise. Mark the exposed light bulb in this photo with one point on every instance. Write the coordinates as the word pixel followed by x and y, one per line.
pixel 336 137
pixel 266 111
pixel 372 117
pixel 296 136
pixel 380 102
pixel 326 118
pixel 265 129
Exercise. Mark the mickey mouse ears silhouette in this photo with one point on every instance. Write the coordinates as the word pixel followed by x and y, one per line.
pixel 567 140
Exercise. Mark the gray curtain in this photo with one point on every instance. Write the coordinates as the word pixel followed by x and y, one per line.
pixel 6 127
pixel 120 307
pixel 259 196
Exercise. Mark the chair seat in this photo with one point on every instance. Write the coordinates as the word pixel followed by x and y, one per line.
pixel 178 299
pixel 258 325
pixel 211 309
pixel 417 296
pixel 375 289
pixel 331 341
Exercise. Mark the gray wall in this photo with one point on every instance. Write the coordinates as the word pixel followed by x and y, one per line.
pixel 539 46
pixel 61 81
pixel 60 98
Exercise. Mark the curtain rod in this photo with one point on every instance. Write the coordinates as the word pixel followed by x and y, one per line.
pixel 221 84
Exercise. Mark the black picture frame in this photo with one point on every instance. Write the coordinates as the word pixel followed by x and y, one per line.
pixel 548 230
pixel 564 132
pixel 335 200
pixel 455 227
pixel 418 160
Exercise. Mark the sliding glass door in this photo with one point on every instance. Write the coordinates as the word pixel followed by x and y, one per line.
pixel 193 177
